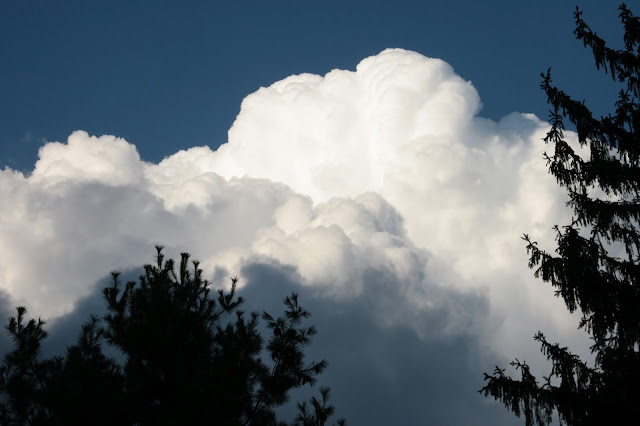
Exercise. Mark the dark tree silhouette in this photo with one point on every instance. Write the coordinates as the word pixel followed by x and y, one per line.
pixel 596 268
pixel 189 359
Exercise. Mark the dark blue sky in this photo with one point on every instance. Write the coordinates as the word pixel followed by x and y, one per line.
pixel 168 75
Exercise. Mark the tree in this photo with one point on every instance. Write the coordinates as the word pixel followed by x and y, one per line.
pixel 596 267
pixel 188 359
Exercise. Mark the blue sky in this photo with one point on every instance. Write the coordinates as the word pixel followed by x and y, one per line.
pixel 381 159
pixel 169 75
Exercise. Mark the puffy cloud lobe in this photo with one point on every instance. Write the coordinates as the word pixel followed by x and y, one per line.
pixel 87 158
pixel 340 239
pixel 343 128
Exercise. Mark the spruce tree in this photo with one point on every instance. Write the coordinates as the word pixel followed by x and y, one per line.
pixel 596 266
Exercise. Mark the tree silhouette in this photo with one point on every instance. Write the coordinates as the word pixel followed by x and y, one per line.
pixel 189 358
pixel 596 268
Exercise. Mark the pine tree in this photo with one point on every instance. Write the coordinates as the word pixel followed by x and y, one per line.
pixel 596 265
pixel 189 359
pixel 23 375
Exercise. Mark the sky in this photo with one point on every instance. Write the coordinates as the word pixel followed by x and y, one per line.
pixel 382 160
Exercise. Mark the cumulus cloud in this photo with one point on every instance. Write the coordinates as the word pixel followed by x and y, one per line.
pixel 380 186
pixel 108 160
pixel 406 128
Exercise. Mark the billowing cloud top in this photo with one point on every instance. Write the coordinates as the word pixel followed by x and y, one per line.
pixel 347 132
pixel 385 171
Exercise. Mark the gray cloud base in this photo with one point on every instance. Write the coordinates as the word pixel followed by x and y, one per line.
pixel 380 372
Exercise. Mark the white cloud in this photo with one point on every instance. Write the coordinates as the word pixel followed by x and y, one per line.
pixel 384 169
pixel 87 158
pixel 404 126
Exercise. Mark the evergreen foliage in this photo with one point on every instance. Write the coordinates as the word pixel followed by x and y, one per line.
pixel 596 267
pixel 189 359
